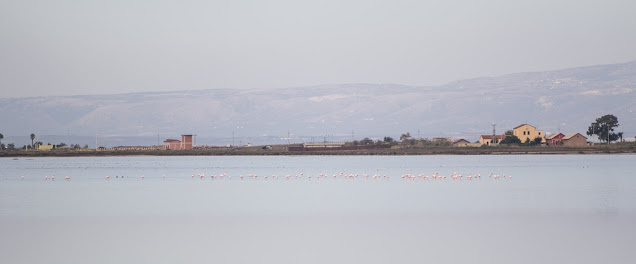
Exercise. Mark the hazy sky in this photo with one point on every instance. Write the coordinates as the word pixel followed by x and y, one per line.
pixel 96 47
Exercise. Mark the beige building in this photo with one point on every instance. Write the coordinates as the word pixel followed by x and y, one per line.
pixel 45 147
pixel 461 143
pixel 527 132
pixel 464 143
pixel 488 140
pixel 574 140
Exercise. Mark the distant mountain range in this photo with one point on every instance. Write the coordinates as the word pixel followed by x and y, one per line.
pixel 564 100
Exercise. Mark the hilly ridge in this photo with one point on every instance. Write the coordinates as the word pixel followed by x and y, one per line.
pixel 567 100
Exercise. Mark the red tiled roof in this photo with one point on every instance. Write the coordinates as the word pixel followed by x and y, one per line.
pixel 490 136
pixel 551 136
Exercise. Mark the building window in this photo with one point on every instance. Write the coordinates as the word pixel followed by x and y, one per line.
pixel 539 133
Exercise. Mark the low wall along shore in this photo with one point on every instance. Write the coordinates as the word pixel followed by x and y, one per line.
pixel 624 148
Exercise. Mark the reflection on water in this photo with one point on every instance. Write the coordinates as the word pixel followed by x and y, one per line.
pixel 554 209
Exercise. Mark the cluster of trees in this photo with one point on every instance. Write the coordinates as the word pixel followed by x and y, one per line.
pixel 368 141
pixel 405 139
pixel 34 144
pixel 385 140
pixel 603 127
pixel 514 140
pixel 11 146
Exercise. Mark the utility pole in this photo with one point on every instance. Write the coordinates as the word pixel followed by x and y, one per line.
pixel 494 136
pixel 232 138
pixel 594 130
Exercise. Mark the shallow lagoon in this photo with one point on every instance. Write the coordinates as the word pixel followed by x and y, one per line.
pixel 554 209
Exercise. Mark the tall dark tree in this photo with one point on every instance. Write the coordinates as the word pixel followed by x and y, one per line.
pixel 32 138
pixel 603 128
pixel 406 136
pixel 1 137
pixel 366 141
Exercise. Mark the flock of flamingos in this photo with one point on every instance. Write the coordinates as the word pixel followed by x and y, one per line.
pixel 408 176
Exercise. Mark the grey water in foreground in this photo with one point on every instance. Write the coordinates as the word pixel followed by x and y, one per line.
pixel 554 209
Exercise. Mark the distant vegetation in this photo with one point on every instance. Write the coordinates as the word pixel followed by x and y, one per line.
pixel 511 140
pixel 626 147
pixel 405 141
pixel 603 127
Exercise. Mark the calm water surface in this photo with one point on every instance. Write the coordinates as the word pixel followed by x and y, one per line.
pixel 554 209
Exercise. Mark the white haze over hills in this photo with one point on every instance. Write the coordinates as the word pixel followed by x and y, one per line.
pixel 566 100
